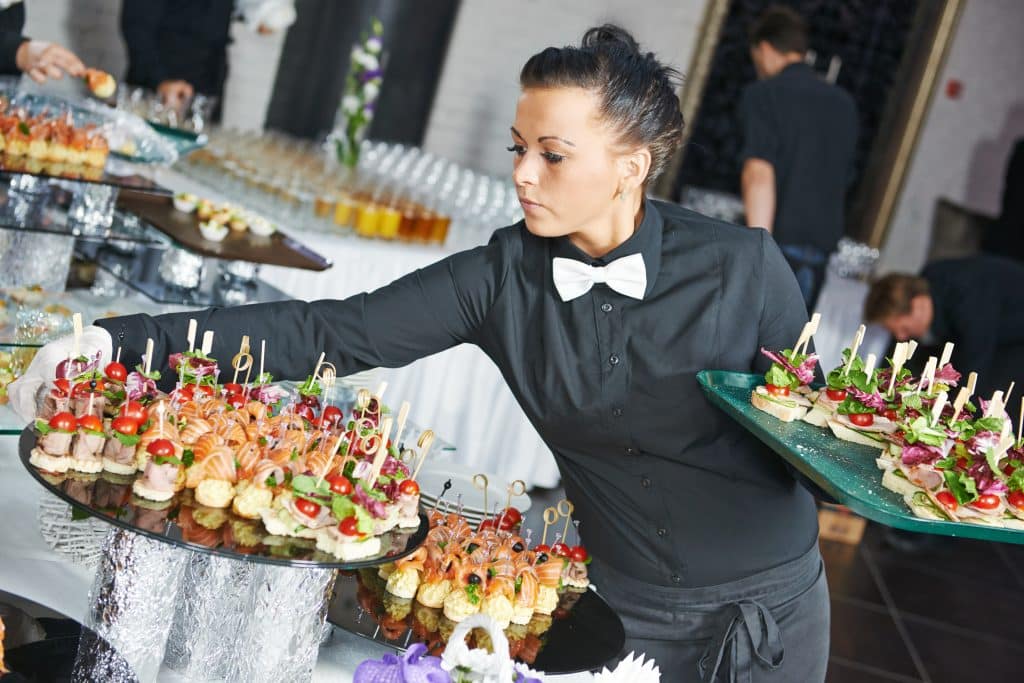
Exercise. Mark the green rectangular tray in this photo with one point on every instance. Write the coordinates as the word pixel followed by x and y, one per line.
pixel 844 470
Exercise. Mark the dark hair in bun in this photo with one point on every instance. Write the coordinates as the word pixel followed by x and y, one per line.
pixel 638 93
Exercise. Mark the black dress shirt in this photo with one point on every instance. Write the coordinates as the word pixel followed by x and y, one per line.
pixel 667 488
pixel 180 40
pixel 978 304
pixel 807 130
pixel 12 23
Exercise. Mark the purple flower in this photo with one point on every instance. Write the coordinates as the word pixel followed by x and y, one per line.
pixel 918 453
pixel 948 375
pixel 412 667
pixel 370 74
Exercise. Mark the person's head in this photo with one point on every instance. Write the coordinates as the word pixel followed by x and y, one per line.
pixel 902 304
pixel 593 126
pixel 778 38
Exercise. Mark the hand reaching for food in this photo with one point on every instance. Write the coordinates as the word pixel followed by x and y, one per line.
pixel 42 61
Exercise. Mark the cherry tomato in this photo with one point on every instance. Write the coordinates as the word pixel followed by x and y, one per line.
pixel 206 390
pixel 349 526
pixel 513 514
pixel 90 423
pixel 125 425
pixel 236 400
pixel 134 410
pixel 777 391
pixel 986 501
pixel 1016 499
pixel 305 412
pixel 85 388
pixel 578 553
pixel 332 415
pixel 116 372
pixel 506 524
pixel 837 395
pixel 185 392
pixel 307 507
pixel 891 415
pixel 162 448
pixel 487 524
pixel 340 484
pixel 63 386
pixel 560 550
pixel 409 487
pixel 64 422
pixel 311 401
pixel 233 388
pixel 947 499
pixel 862 419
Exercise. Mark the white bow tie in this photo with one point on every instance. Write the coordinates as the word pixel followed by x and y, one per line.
pixel 626 275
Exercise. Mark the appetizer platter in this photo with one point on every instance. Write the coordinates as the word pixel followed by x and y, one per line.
pixel 540 595
pixel 241 468
pixel 224 232
pixel 901 450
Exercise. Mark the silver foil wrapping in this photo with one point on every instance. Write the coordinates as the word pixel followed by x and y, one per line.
pixel 34 258
pixel 131 605
pixel 213 610
pixel 79 540
pixel 282 638
pixel 180 268
pixel 92 207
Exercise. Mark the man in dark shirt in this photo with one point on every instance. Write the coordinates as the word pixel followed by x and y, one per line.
pixel 976 302
pixel 799 135
pixel 1006 236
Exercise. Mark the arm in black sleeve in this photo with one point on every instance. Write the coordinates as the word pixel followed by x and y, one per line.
pixel 140 26
pixel 974 319
pixel 427 311
pixel 760 134
pixel 12 21
pixel 783 315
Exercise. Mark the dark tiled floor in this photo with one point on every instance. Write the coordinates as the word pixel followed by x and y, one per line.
pixel 911 608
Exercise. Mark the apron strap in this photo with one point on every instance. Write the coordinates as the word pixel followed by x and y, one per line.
pixel 763 640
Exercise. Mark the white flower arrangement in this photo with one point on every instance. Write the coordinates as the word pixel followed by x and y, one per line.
pixel 362 87
pixel 479 665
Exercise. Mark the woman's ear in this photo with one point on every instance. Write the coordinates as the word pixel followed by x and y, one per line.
pixel 633 169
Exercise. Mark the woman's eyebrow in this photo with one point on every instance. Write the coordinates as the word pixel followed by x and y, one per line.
pixel 542 138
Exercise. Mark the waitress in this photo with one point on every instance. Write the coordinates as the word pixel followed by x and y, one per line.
pixel 599 309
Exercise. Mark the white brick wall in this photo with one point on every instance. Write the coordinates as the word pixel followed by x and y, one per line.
pixel 476 97
pixel 90 28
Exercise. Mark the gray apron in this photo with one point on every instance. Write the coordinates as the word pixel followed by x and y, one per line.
pixel 766 628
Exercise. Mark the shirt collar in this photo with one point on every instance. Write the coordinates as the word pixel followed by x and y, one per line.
pixel 645 240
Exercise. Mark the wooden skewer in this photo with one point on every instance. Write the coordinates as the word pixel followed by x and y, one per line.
pixel 947 353
pixel 928 375
pixel 191 335
pixel 263 354
pixel 805 334
pixel 516 488
pixel 858 337
pixel 207 342
pixel 815 321
pixel 118 358
pixel 972 381
pixel 382 450
pixel 480 482
pixel 1009 391
pixel 425 442
pixel 160 416
pixel 148 358
pixel 869 365
pixel 960 402
pixel 381 388
pixel 567 513
pixel 241 357
pixel 1020 421
pixel 550 517
pixel 995 406
pixel 316 368
pixel 403 415
pixel 940 403
pixel 899 357
pixel 911 347
pixel 76 321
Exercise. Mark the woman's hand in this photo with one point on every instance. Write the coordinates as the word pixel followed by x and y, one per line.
pixel 42 61
pixel 23 391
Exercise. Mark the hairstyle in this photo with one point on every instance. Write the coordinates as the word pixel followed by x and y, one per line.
pixel 637 92
pixel 782 28
pixel 891 295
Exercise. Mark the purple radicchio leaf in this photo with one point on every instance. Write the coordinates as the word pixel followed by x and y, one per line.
pixel 918 453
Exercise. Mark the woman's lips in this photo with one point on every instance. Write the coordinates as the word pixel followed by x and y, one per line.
pixel 528 206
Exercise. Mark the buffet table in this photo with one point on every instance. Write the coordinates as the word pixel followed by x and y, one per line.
pixel 459 392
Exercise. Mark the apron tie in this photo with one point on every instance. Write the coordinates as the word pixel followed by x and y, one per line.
pixel 763 639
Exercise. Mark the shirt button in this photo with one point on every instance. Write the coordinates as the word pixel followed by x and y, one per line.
pixel 630 450
pixel 662 533
pixel 676 578
pixel 607 308
pixel 614 360
pixel 617 412
pixel 645 482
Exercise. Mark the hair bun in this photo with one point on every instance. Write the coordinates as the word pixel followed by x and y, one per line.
pixel 612 36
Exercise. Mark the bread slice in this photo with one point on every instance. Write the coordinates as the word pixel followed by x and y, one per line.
pixel 873 439
pixel 143 490
pixel 894 480
pixel 777 408
pixel 50 463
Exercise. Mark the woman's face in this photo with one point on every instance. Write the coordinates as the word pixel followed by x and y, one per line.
pixel 566 166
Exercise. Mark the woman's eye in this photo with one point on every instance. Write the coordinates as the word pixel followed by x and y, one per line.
pixel 518 149
pixel 553 158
